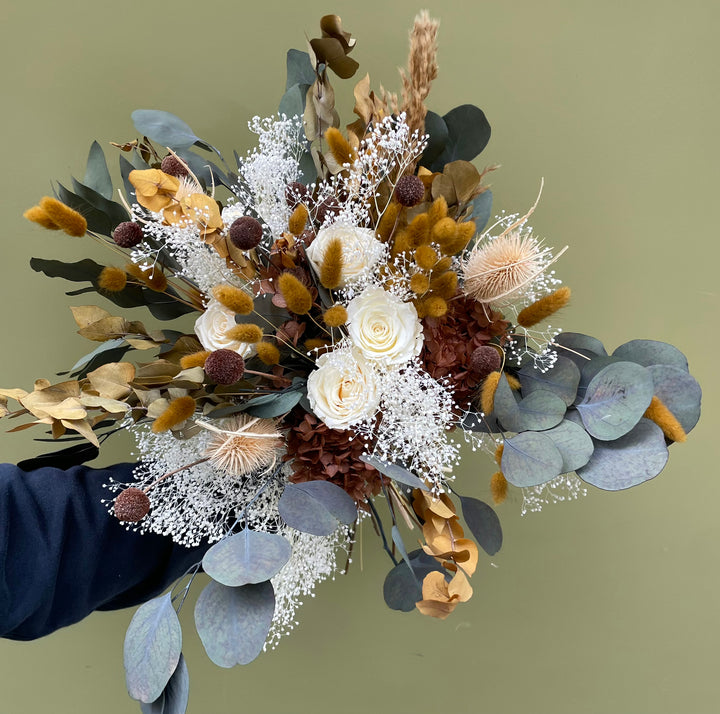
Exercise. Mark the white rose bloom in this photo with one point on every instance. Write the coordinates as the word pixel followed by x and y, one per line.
pixel 212 325
pixel 384 328
pixel 343 389
pixel 361 250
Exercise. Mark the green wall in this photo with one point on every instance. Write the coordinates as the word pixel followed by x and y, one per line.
pixel 608 604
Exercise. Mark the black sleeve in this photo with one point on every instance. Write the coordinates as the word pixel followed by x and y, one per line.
pixel 62 555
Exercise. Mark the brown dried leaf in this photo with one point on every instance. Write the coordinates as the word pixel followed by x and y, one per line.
pixel 433 608
pixel 106 329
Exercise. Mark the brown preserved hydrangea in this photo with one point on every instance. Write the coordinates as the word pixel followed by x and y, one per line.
pixel 318 453
pixel 451 340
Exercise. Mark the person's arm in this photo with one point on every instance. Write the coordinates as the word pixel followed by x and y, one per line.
pixel 62 555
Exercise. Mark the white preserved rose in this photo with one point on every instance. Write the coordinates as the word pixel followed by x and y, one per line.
pixel 384 328
pixel 361 250
pixel 211 328
pixel 343 390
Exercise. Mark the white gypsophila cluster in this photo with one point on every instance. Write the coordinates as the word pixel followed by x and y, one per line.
pixel 386 153
pixel 266 172
pixel 565 487
pixel 313 559
pixel 198 262
pixel 416 416
pixel 201 501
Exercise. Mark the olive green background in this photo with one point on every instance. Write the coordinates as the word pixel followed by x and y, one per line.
pixel 608 604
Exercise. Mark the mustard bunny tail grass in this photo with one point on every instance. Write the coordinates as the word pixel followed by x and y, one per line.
pixel 339 146
pixel 332 264
pixel 296 295
pixel 234 299
pixel 487 392
pixel 498 487
pixel 665 419
pixel 68 219
pixel 196 359
pixel 544 307
pixel 268 353
pixel 298 220
pixel 177 412
pixel 37 215
pixel 112 279
pixel 246 332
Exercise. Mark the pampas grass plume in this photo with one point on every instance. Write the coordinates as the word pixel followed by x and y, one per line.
pixel 541 309
pixel 665 419
pixel 177 412
pixel 234 299
pixel 68 219
pixel 296 295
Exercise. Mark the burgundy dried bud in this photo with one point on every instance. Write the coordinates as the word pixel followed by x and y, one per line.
pixel 173 166
pixel 132 505
pixel 224 366
pixel 128 234
pixel 325 208
pixel 246 233
pixel 295 193
pixel 409 191
pixel 485 359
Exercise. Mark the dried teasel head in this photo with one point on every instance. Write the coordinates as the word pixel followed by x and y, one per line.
pixel 243 444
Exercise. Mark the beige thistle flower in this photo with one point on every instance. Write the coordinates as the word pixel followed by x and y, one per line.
pixel 244 444
pixel 500 271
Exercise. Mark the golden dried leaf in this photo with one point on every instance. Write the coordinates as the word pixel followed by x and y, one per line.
pixel 434 608
pixel 46 403
pixel 435 586
pixel 467 555
pixel 140 344
pixel 16 394
pixel 85 315
pixel 459 587
pixel 112 380
pixel 82 427
pixel 157 407
pixel 111 406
